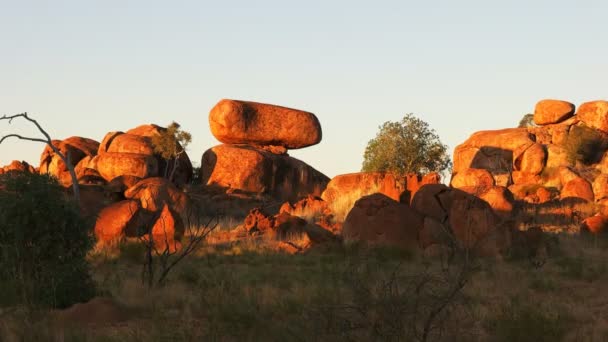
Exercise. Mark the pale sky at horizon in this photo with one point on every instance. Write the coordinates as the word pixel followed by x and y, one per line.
pixel 89 67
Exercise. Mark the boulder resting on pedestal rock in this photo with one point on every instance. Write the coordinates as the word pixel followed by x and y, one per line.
pixel 242 122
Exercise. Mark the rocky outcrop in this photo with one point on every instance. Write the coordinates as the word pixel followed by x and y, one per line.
pixel 114 164
pixel 357 185
pixel 251 170
pixel 156 192
pixel 552 111
pixel 113 221
pixel 293 230
pixel 594 114
pixel 258 124
pixel 17 166
pixel 562 161
pixel 473 178
pixel 76 148
pixel 456 215
pixel 380 220
pixel 132 154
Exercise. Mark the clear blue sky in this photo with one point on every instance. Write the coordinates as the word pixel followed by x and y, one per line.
pixel 88 67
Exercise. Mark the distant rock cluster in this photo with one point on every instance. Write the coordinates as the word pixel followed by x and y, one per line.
pixel 558 164
pixel 507 185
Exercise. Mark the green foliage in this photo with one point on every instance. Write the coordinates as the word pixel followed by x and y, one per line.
pixel 526 121
pixel 43 244
pixel 408 146
pixel 171 142
pixel 585 144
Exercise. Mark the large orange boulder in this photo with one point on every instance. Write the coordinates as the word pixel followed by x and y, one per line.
pixel 166 230
pixel 533 160
pixel 496 151
pixel 432 201
pixel 119 142
pixel 113 220
pixel 594 114
pixel 378 219
pixel 242 122
pixel 156 192
pixel 76 147
pixel 595 224
pixel 600 187
pixel 138 141
pixel 552 111
pixel 477 178
pixel 470 220
pixel 113 164
pixel 251 170
pixel 578 188
pixel 500 199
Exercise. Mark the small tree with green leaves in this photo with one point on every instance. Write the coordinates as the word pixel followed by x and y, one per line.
pixel 170 144
pixel 407 146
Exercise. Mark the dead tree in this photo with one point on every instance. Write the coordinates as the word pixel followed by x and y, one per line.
pixel 67 159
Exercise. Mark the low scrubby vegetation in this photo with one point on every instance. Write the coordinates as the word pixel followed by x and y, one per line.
pixel 248 292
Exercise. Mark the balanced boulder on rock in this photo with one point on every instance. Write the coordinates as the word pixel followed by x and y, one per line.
pixel 242 122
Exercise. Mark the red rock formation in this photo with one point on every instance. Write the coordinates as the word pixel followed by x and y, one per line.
pixel 166 230
pixel 595 224
pixel 76 147
pixel 17 166
pixel 250 170
pixel 470 220
pixel 594 114
pixel 477 178
pixel 378 219
pixel 241 122
pixel 156 192
pixel 113 220
pixel 112 165
pixel 578 188
pixel 137 143
pixel 552 111
pixel 399 188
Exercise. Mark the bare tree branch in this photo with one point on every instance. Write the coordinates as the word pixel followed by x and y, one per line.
pixel 66 159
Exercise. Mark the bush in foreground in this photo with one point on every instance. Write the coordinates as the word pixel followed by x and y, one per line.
pixel 43 244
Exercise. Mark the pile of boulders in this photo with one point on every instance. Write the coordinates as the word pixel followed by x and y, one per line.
pixel 437 216
pixel 253 159
pixel 560 162
pixel 123 183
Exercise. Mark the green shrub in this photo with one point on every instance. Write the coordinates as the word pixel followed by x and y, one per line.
pixel 43 243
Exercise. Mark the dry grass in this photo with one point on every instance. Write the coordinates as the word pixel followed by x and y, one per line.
pixel 342 205
pixel 248 292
